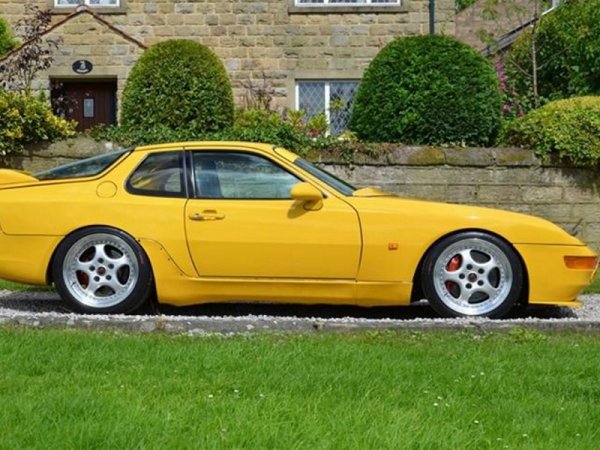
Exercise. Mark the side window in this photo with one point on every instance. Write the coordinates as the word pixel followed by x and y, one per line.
pixel 160 175
pixel 233 175
pixel 334 98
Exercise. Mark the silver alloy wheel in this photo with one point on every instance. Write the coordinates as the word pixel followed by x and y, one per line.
pixel 472 277
pixel 100 270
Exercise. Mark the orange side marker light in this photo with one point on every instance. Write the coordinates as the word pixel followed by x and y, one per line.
pixel 581 262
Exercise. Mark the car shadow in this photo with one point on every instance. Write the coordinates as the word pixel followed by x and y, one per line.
pixel 420 310
pixel 48 302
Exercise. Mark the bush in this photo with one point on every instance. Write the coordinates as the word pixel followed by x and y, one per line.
pixel 428 90
pixel 568 50
pixel 258 125
pixel 251 125
pixel 25 118
pixel 7 41
pixel 568 128
pixel 177 85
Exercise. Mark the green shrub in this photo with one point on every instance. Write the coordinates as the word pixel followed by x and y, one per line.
pixel 177 85
pixel 25 119
pixel 250 125
pixel 568 128
pixel 259 125
pixel 428 90
pixel 7 41
pixel 568 53
pixel 459 5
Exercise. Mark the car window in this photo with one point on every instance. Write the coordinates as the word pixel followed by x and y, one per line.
pixel 84 168
pixel 326 177
pixel 236 175
pixel 160 174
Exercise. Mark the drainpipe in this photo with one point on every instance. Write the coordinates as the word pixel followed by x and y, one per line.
pixel 431 16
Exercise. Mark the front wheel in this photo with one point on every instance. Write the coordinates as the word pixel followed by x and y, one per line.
pixel 102 270
pixel 472 274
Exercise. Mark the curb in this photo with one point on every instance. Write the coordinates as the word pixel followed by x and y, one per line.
pixel 254 324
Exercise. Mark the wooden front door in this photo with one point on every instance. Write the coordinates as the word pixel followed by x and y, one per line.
pixel 89 103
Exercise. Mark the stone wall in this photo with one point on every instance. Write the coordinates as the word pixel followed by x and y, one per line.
pixel 270 37
pixel 512 179
pixel 37 158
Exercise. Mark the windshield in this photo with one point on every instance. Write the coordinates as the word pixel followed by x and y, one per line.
pixel 85 168
pixel 325 177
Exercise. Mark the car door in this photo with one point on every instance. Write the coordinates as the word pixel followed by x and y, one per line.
pixel 242 222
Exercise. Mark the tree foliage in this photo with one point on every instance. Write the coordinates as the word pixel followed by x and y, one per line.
pixel 428 90
pixel 19 70
pixel 178 85
pixel 7 40
pixel 566 47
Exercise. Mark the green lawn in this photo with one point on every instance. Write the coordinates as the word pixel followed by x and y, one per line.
pixel 73 389
pixel 594 288
pixel 11 286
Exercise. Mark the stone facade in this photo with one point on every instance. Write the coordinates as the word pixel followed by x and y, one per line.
pixel 510 178
pixel 271 37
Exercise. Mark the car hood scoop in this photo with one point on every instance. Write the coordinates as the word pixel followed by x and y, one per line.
pixel 8 176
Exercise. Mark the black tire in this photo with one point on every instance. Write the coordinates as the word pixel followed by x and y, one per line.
pixel 102 270
pixel 472 274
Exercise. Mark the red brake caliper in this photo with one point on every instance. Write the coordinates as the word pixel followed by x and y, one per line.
pixel 83 278
pixel 452 266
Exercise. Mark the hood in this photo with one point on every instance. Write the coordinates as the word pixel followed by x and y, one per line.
pixel 15 177
pixel 371 192
pixel 443 218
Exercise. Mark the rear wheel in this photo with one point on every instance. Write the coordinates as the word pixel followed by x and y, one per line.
pixel 102 270
pixel 472 275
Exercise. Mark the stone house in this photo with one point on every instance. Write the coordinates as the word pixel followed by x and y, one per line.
pixel 495 32
pixel 309 53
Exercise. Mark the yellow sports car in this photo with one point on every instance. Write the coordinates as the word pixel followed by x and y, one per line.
pixel 201 222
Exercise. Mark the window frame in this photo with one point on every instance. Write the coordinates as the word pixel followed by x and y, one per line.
pixel 349 3
pixel 185 194
pixel 327 92
pixel 100 9
pixel 294 7
pixel 192 175
pixel 56 5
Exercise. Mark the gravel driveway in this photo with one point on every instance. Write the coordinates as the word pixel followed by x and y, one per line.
pixel 46 309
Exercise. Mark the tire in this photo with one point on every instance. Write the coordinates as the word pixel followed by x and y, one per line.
pixel 102 270
pixel 472 274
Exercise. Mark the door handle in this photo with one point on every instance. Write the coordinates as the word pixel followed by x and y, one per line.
pixel 206 215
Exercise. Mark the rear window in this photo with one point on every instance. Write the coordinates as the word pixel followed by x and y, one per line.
pixel 84 168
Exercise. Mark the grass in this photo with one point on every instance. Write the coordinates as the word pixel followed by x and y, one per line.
pixel 72 389
pixel 594 288
pixel 12 286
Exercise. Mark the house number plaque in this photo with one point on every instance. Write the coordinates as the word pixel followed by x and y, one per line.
pixel 82 66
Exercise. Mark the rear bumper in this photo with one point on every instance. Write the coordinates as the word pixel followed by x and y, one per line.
pixel 550 281
pixel 25 259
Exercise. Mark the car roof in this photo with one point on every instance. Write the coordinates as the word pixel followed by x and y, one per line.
pixel 208 145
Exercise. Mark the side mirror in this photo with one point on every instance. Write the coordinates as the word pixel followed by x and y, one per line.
pixel 307 193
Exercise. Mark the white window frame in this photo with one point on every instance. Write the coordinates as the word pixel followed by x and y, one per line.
pixel 329 4
pixel 87 3
pixel 327 92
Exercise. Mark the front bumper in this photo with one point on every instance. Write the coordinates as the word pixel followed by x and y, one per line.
pixel 550 280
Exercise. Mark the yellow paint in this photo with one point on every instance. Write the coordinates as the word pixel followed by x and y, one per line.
pixel 14 176
pixel 106 189
pixel 335 251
